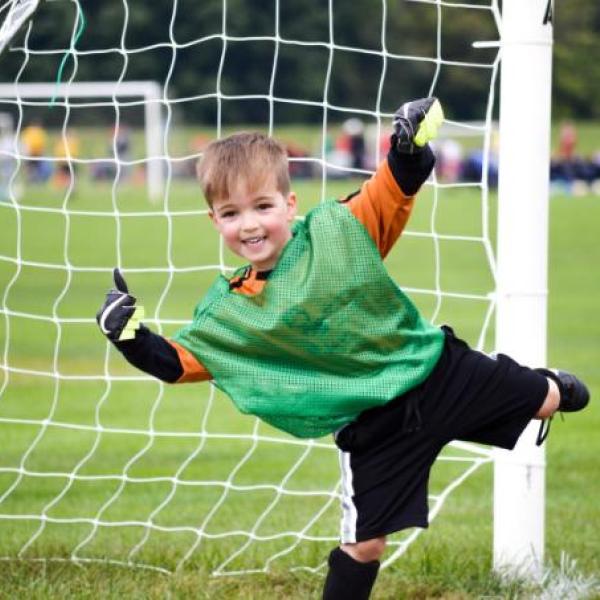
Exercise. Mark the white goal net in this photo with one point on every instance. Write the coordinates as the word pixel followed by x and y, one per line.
pixel 98 461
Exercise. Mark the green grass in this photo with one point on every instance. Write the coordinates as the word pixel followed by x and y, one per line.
pixel 452 560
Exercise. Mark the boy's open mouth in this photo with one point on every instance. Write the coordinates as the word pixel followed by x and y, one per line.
pixel 254 240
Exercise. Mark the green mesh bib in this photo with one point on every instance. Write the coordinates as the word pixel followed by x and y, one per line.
pixel 329 336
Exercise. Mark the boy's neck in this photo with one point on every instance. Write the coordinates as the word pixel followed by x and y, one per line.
pixel 261 275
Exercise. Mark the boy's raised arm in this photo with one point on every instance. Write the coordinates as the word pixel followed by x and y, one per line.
pixel 118 319
pixel 384 203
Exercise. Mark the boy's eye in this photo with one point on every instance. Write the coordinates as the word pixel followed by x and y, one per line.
pixel 265 205
pixel 227 214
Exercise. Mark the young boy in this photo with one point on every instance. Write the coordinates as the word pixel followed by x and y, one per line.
pixel 314 337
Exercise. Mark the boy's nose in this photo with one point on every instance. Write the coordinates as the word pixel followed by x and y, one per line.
pixel 249 223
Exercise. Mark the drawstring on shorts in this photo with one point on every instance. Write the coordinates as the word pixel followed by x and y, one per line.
pixel 412 420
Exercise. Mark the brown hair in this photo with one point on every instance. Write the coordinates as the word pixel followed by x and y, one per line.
pixel 251 157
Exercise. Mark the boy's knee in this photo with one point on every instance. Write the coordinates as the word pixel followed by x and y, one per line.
pixel 366 551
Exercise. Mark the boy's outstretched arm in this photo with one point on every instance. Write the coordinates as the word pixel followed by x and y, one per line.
pixel 385 201
pixel 118 319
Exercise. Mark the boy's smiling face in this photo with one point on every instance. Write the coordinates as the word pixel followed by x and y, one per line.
pixel 256 224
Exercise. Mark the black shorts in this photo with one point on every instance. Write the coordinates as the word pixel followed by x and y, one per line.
pixel 387 453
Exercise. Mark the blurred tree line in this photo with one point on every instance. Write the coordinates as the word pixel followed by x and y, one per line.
pixel 181 45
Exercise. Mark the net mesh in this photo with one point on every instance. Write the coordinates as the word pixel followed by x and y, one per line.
pixel 100 462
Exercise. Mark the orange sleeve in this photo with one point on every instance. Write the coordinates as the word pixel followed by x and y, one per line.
pixel 382 207
pixel 192 369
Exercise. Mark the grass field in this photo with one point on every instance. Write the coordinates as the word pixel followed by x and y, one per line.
pixel 452 560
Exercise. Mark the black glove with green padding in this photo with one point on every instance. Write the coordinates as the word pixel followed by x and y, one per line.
pixel 416 123
pixel 119 317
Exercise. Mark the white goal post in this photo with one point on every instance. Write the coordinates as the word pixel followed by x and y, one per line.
pixel 150 97
pixel 522 254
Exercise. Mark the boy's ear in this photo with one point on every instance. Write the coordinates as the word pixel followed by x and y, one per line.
pixel 292 205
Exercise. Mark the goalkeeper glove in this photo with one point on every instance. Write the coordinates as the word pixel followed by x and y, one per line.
pixel 415 124
pixel 119 317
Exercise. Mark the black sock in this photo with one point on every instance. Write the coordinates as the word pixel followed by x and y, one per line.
pixel 349 579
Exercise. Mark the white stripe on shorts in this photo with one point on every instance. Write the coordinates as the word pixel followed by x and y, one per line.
pixel 349 514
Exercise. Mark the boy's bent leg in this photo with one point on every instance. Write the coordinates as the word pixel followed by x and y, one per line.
pixel 353 569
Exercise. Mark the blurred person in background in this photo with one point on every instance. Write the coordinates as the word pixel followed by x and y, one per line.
pixel 66 149
pixel 569 171
pixel 449 165
pixel 34 140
